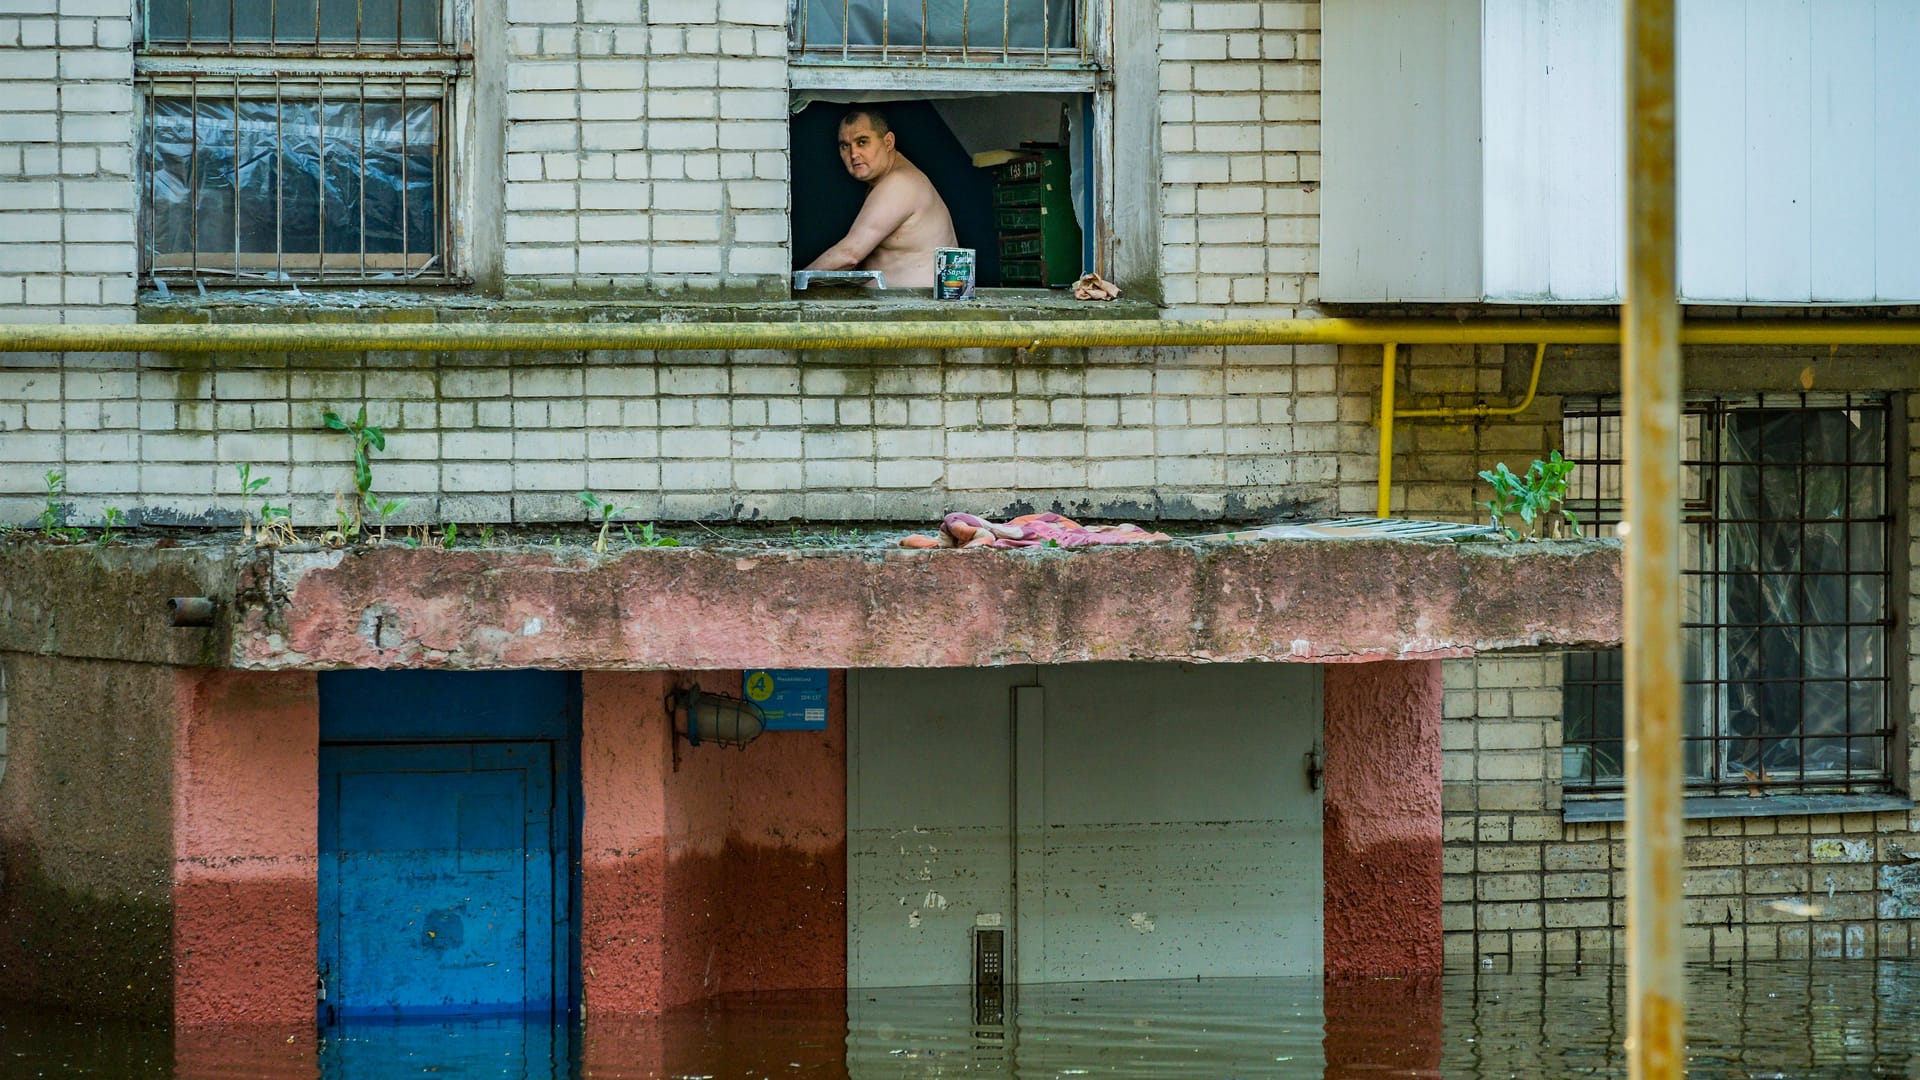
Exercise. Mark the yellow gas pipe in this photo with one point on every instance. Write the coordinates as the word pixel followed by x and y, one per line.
pixel 1388 414
pixel 967 334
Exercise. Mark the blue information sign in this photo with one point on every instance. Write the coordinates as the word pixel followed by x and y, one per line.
pixel 792 700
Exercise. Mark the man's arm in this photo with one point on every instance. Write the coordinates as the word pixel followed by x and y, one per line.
pixel 887 207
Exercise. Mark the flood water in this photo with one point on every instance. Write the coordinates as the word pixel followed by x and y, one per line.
pixel 1794 1018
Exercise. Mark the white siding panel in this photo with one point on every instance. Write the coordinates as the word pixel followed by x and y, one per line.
pixel 1712 150
pixel 1585 223
pixel 1514 59
pixel 1400 131
pixel 1842 263
pixel 1779 171
pixel 1896 126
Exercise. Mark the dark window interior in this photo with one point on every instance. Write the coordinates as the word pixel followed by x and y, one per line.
pixel 826 199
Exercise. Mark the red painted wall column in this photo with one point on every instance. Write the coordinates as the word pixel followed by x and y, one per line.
pixel 246 799
pixel 706 870
pixel 1381 840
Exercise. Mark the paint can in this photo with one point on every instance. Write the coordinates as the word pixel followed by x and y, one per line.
pixel 952 273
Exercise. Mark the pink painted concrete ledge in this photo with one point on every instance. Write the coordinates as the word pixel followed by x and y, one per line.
pixel 692 609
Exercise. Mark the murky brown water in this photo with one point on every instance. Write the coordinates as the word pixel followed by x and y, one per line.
pixel 1774 1019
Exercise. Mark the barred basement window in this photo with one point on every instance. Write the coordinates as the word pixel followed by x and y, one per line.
pixel 295 141
pixel 1786 589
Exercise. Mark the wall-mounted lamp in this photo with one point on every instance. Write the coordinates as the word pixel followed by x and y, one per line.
pixel 714 718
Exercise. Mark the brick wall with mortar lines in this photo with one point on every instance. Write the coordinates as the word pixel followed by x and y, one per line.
pixel 1240 144
pixel 1436 462
pixel 1518 880
pixel 67 207
pixel 646 145
pixel 1181 434
pixel 646 151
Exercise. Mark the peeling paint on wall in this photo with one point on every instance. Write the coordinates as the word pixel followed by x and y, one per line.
pixel 1139 921
pixel 1900 884
pixel 1835 849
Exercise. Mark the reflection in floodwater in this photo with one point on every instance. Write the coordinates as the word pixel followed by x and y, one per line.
pixel 1781 1018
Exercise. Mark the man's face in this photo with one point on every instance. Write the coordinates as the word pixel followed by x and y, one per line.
pixel 866 155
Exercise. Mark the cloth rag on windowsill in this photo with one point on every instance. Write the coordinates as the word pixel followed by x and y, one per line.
pixel 1028 530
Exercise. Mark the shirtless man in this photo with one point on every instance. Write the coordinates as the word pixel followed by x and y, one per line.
pixel 903 219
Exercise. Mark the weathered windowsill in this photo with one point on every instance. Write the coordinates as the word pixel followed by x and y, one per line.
pixel 1737 806
pixel 415 305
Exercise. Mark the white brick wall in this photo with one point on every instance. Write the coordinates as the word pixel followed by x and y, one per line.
pixel 646 146
pixel 1239 128
pixel 1184 434
pixel 67 196
pixel 646 151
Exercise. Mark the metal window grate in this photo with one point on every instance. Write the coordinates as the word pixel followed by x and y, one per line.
pixel 356 28
pixel 965 33
pixel 268 180
pixel 288 142
pixel 1786 581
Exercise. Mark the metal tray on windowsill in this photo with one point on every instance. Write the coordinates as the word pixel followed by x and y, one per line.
pixel 837 279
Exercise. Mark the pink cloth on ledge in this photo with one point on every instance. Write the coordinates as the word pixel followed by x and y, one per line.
pixel 1029 530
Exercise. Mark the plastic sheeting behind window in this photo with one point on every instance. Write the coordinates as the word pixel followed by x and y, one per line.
pixel 249 186
pixel 975 25
pixel 1786 584
pixel 1804 608
pixel 203 23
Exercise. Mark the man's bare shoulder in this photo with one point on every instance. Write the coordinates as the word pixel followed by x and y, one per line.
pixel 905 180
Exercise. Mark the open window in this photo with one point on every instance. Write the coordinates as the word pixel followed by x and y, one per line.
pixel 1001 104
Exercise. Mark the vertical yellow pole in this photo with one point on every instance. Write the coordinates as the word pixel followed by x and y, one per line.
pixel 1385 496
pixel 1650 379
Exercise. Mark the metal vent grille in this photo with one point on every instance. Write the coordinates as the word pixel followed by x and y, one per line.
pixel 989 976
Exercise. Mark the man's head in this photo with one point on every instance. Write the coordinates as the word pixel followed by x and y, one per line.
pixel 866 145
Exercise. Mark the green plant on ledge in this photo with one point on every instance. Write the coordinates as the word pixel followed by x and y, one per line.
pixel 53 512
pixel 366 439
pixel 1532 496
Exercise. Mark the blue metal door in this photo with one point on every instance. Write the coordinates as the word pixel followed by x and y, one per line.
pixel 444 869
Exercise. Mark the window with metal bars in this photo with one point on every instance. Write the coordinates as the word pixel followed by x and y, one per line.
pixel 985 33
pixel 1786 586
pixel 299 141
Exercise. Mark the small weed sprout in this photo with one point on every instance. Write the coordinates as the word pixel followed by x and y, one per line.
pixel 647 537
pixel 345 528
pixel 385 509
pixel 366 439
pixel 449 535
pixel 486 535
pixel 1532 496
pixel 607 511
pixel 111 518
pixel 276 522
pixel 53 512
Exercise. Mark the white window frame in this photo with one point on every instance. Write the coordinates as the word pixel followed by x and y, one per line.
pixel 1088 69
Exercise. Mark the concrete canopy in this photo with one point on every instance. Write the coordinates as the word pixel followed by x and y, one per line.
pixel 714 607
